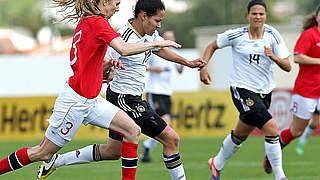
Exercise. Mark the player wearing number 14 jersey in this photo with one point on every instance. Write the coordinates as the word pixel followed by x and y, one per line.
pixel 255 49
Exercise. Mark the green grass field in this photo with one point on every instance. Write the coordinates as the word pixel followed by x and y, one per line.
pixel 246 164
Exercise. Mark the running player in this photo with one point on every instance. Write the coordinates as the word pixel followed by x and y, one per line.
pixel 255 49
pixel 80 102
pixel 159 91
pixel 125 92
pixel 306 92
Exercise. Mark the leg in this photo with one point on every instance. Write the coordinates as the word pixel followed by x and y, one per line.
pixel 112 150
pixel 149 144
pixel 297 127
pixel 313 124
pixel 25 156
pixel 273 148
pixel 232 143
pixel 170 141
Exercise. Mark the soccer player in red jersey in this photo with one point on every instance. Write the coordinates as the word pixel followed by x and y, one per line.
pixel 79 102
pixel 306 92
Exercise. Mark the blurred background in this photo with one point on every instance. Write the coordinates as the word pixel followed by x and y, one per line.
pixel 34 63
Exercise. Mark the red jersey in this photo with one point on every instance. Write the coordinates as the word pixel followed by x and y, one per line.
pixel 308 81
pixel 90 41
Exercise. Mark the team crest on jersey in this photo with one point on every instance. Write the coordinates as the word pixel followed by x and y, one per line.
pixel 141 108
pixel 249 102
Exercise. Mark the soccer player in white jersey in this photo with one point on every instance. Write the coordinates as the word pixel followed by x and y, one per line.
pixel 125 91
pixel 255 49
pixel 159 90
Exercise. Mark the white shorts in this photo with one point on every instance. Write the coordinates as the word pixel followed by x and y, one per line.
pixel 71 110
pixel 303 107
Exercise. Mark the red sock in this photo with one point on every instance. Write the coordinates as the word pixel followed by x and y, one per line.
pixel 15 161
pixel 286 136
pixel 129 158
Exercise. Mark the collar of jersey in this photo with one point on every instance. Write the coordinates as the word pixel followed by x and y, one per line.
pixel 130 21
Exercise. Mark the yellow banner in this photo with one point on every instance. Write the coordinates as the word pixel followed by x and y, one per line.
pixel 194 114
pixel 203 113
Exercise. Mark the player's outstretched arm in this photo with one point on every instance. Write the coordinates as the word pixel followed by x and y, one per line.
pixel 126 49
pixel 168 54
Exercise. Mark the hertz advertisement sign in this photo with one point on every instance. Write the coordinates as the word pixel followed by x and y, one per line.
pixel 194 114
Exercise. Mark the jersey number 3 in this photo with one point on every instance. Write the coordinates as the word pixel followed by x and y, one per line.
pixel 74 47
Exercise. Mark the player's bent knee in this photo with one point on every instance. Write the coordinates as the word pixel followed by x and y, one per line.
pixel 173 139
pixel 134 134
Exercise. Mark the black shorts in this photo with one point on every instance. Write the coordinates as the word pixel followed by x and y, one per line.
pixel 140 111
pixel 160 103
pixel 253 107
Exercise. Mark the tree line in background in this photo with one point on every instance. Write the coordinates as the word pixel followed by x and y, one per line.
pixel 28 14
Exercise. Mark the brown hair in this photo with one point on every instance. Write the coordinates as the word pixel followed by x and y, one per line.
pixel 79 8
pixel 311 21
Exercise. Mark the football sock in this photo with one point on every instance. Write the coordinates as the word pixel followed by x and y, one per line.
pixel 150 143
pixel 175 167
pixel 79 156
pixel 307 132
pixel 286 137
pixel 129 156
pixel 15 161
pixel 228 148
pixel 274 154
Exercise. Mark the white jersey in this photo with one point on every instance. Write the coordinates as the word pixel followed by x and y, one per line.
pixel 132 80
pixel 160 83
pixel 252 69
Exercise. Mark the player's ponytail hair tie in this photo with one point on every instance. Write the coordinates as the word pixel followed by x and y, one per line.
pixel 256 2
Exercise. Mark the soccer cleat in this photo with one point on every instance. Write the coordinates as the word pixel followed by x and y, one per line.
pixel 47 168
pixel 284 178
pixel 300 148
pixel 215 174
pixel 267 166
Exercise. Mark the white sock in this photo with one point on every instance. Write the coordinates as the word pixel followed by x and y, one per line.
pixel 175 167
pixel 150 143
pixel 274 153
pixel 80 156
pixel 307 132
pixel 227 149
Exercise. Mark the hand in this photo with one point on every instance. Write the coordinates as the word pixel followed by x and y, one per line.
pixel 268 52
pixel 205 76
pixel 198 63
pixel 109 68
pixel 116 63
pixel 167 43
